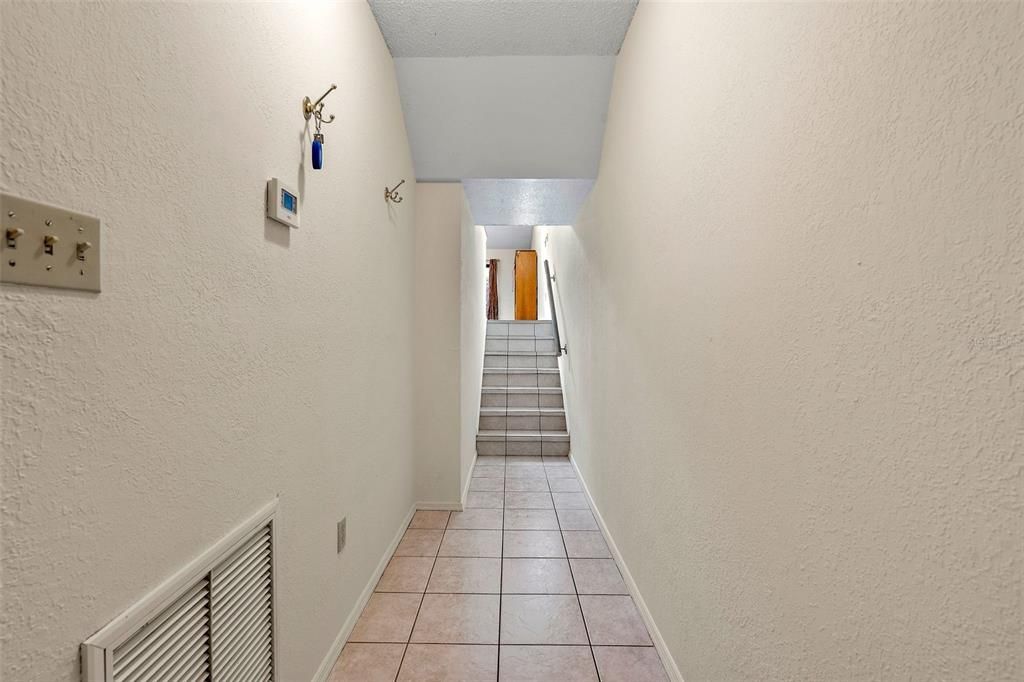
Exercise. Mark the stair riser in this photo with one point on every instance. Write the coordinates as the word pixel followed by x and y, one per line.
pixel 531 423
pixel 521 400
pixel 522 380
pixel 525 345
pixel 513 449
pixel 520 329
pixel 520 361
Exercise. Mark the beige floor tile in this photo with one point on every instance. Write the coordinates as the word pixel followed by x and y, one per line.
pixel 537 544
pixel 530 519
pixel 536 576
pixel 585 544
pixel 564 485
pixel 528 501
pixel 406 574
pixel 570 500
pixel 457 619
pixel 471 543
pixel 524 459
pixel 597 576
pixel 547 664
pixel 451 574
pixel 554 472
pixel 614 620
pixel 576 519
pixel 484 500
pixel 490 459
pixel 629 664
pixel 436 520
pixel 488 471
pixel 386 618
pixel 361 662
pixel 448 662
pixel 419 542
pixel 525 471
pixel 541 619
pixel 526 485
pixel 476 519
pixel 486 484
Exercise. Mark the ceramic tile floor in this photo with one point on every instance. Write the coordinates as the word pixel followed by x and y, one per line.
pixel 520 586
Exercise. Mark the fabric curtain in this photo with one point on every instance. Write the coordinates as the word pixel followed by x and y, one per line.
pixel 492 289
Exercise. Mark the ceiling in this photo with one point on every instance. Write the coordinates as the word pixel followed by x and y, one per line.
pixel 510 89
pixel 490 28
pixel 526 202
pixel 509 236
pixel 505 117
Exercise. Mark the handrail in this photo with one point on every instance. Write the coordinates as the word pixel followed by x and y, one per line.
pixel 554 314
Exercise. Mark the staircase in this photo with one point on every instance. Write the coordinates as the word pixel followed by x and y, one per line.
pixel 521 407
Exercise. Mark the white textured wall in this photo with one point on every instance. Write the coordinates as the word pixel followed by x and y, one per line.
pixel 438 330
pixel 506 282
pixel 473 333
pixel 227 360
pixel 794 304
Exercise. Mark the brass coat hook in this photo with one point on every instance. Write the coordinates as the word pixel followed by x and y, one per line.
pixel 392 194
pixel 311 108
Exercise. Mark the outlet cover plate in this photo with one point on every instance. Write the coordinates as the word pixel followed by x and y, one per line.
pixel 26 258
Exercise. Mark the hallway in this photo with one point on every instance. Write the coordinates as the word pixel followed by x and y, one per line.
pixel 519 586
pixel 540 340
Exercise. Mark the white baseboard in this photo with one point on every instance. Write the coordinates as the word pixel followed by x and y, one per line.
pixel 659 642
pixel 439 506
pixel 469 481
pixel 324 671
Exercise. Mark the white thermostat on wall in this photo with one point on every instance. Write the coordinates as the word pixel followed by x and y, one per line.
pixel 282 203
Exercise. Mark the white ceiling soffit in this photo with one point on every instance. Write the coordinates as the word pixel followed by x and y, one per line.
pixel 509 236
pixel 526 202
pixel 487 28
pixel 505 117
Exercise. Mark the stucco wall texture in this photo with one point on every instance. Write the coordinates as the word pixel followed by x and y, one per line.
pixel 795 312
pixel 228 359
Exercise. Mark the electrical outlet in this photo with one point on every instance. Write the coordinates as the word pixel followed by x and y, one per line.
pixel 341 534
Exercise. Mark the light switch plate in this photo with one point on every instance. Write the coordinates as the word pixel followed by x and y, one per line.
pixel 48 246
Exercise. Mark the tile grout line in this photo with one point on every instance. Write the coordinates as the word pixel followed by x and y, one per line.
pixel 423 595
pixel 501 560
pixel 579 602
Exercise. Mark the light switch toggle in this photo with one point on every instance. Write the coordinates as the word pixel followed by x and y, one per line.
pixel 12 236
pixel 81 249
pixel 48 243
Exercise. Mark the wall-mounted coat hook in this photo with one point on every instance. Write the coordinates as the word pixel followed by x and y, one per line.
pixel 392 194
pixel 316 110
pixel 311 108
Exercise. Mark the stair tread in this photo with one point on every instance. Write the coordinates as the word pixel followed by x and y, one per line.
pixel 523 435
pixel 518 411
pixel 520 352
pixel 502 337
pixel 550 390
pixel 520 370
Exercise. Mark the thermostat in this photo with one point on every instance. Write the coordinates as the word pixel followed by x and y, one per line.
pixel 282 203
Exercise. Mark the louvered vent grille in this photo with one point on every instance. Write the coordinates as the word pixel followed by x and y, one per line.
pixel 212 622
pixel 242 623
pixel 175 646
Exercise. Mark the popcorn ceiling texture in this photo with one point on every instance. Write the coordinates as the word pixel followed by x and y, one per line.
pixel 795 312
pixel 489 28
pixel 227 360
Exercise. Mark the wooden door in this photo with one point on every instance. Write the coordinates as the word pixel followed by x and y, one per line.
pixel 526 285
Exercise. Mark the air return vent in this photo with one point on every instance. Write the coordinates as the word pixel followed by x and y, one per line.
pixel 213 620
